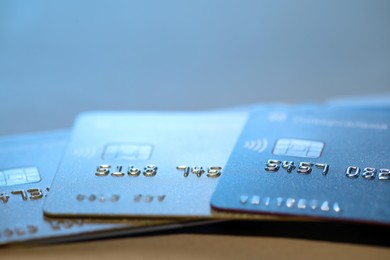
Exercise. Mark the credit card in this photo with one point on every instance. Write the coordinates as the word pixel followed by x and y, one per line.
pixel 310 162
pixel 379 102
pixel 27 167
pixel 153 164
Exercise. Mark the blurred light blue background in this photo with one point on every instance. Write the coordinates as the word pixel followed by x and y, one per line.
pixel 58 58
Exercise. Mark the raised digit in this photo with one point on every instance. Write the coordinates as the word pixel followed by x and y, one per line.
pixel 214 171
pixel 133 171
pixel 272 166
pixel 369 173
pixel 150 170
pixel 198 170
pixel 305 168
pixel 103 170
pixel 289 166
pixel 384 174
pixel 352 172
pixel 35 194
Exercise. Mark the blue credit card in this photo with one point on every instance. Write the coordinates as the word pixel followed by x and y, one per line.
pixel 379 102
pixel 310 162
pixel 27 167
pixel 149 164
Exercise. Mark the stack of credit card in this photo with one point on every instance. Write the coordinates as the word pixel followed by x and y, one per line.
pixel 130 172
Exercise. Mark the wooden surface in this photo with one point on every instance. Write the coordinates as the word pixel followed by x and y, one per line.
pixel 184 246
pixel 227 240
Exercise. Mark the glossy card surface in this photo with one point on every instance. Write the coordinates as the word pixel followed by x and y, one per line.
pixel 27 167
pixel 144 164
pixel 310 162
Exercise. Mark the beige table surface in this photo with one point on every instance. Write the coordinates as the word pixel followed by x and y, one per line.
pixel 241 240
pixel 184 246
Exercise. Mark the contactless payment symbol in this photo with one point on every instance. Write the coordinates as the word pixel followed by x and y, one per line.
pixel 258 145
